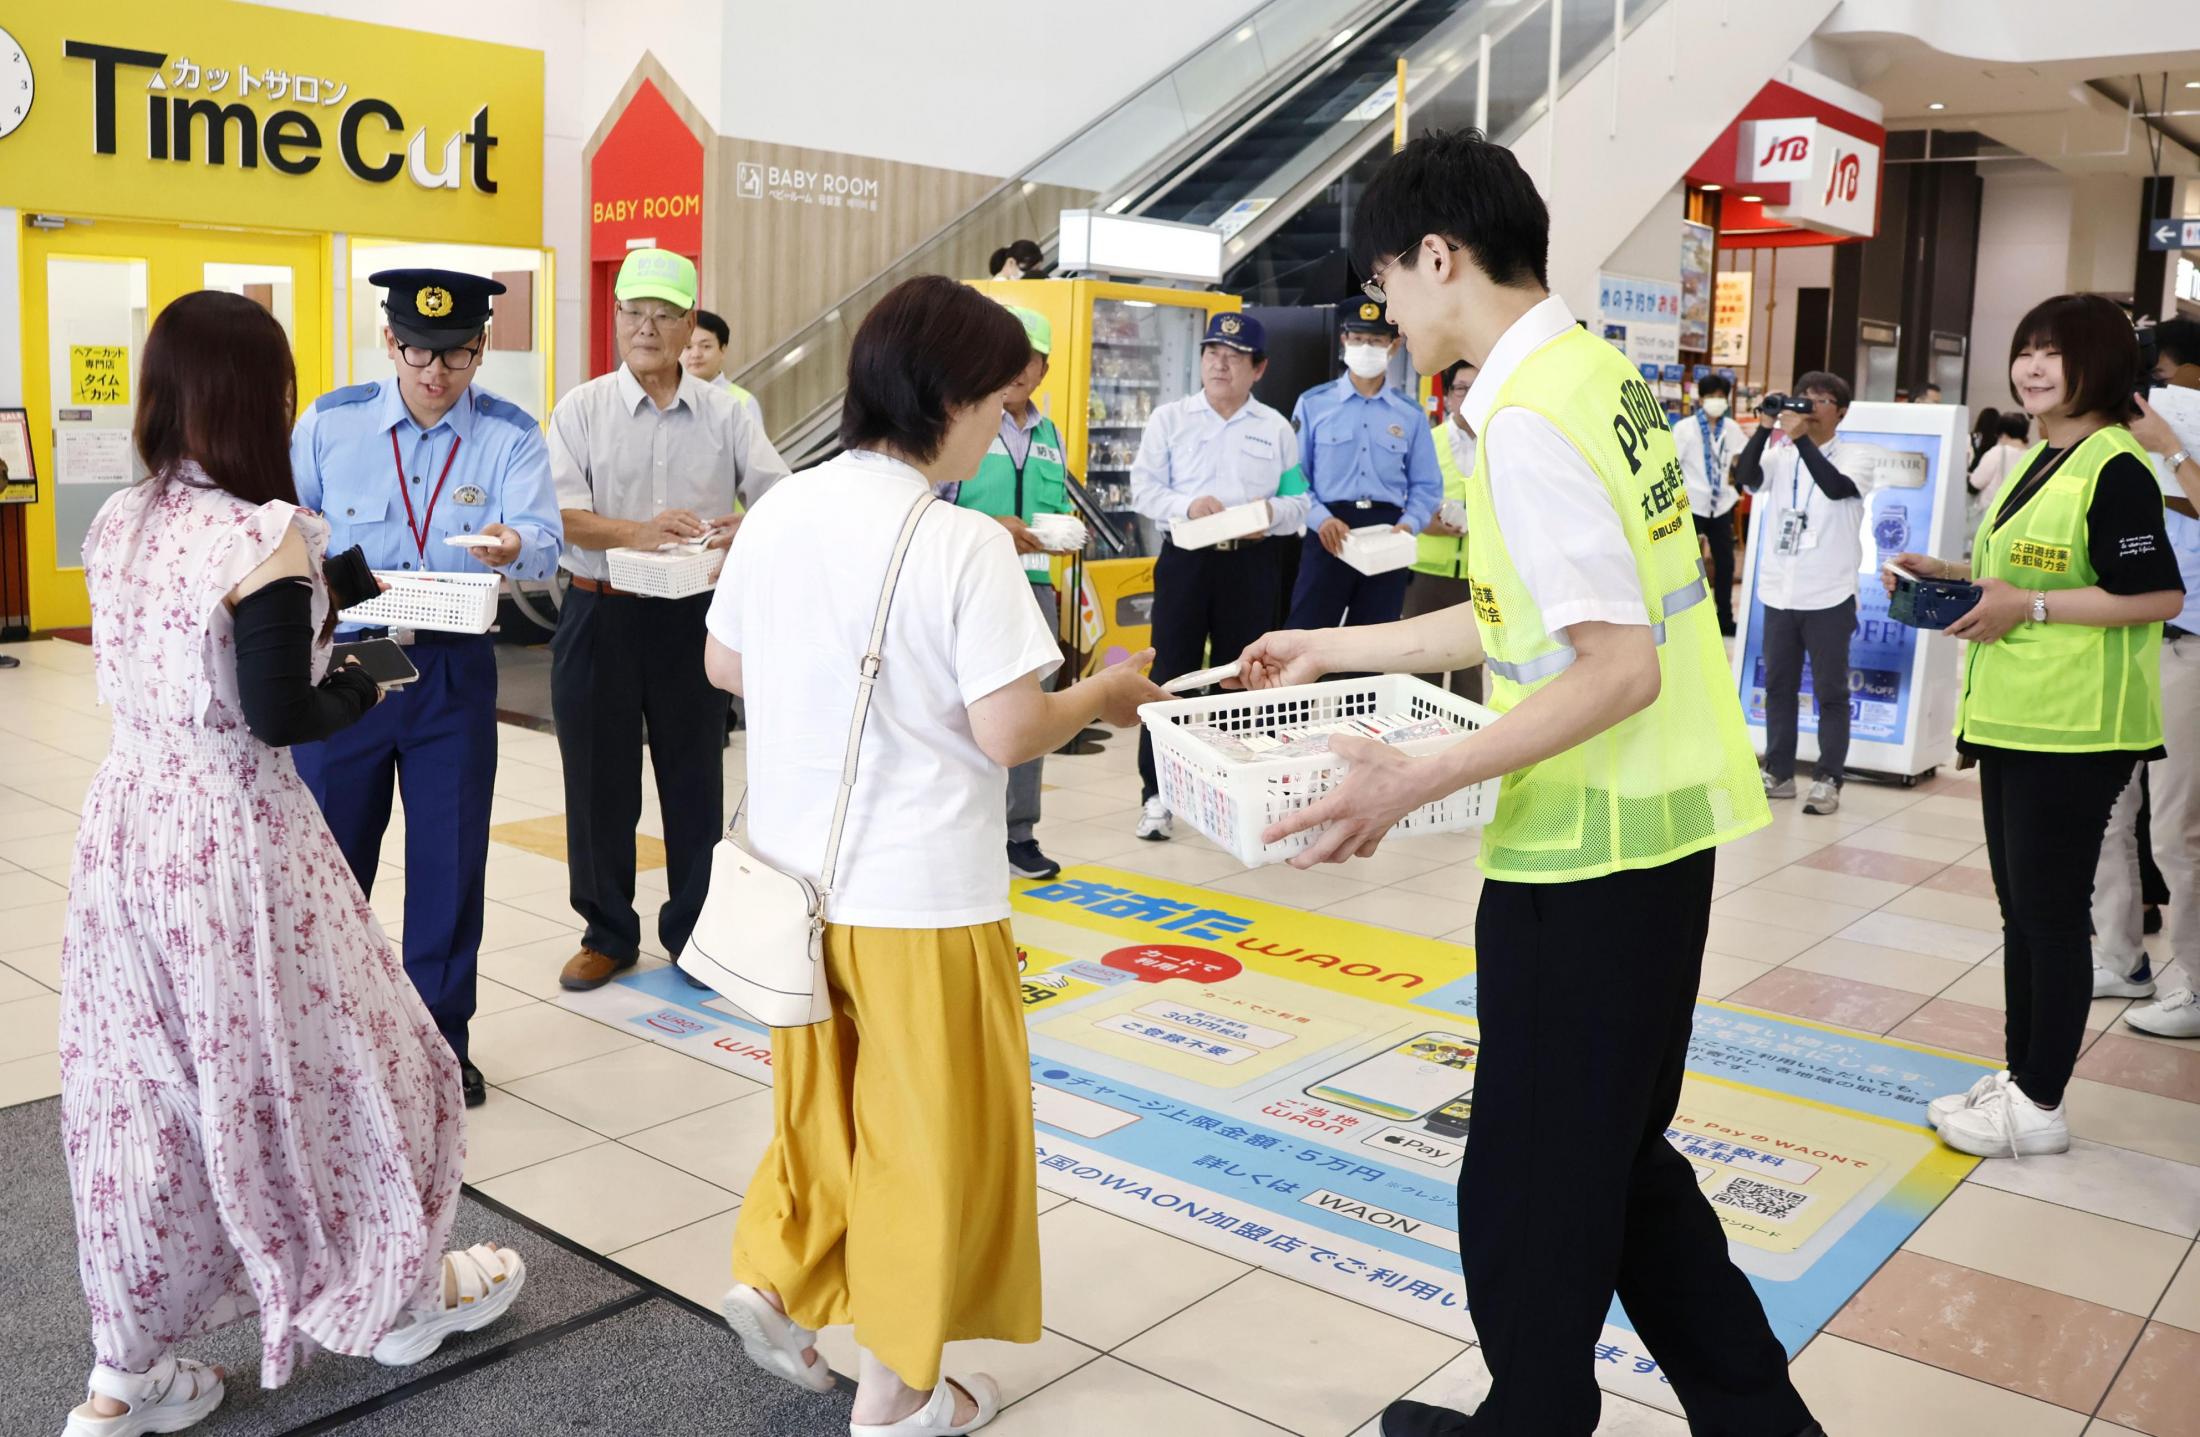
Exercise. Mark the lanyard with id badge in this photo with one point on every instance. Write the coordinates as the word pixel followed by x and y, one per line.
pixel 1796 534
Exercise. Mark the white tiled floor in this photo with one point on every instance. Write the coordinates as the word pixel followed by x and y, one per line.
pixel 643 1154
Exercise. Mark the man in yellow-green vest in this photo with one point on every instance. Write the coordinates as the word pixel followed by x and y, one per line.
pixel 1024 475
pixel 705 358
pixel 1439 576
pixel 1625 764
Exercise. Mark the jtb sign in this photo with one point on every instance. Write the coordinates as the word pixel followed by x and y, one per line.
pixel 208 111
pixel 1841 193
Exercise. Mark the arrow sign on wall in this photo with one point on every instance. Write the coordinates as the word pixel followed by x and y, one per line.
pixel 2174 234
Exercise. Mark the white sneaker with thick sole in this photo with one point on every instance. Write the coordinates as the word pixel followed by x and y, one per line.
pixel 2108 983
pixel 2175 1016
pixel 937 1417
pixel 1785 788
pixel 2007 1124
pixel 483 1282
pixel 775 1341
pixel 1154 822
pixel 1824 798
pixel 1937 1111
pixel 176 1394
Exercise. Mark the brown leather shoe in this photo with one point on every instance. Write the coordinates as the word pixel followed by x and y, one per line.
pixel 589 969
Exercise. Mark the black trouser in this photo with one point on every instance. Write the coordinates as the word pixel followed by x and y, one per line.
pixel 1218 599
pixel 1584 1041
pixel 1329 592
pixel 1823 634
pixel 2045 815
pixel 1720 532
pixel 619 661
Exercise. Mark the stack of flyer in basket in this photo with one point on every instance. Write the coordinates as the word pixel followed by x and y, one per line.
pixel 1312 740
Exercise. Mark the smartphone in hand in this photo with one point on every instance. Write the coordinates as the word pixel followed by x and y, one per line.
pixel 384 660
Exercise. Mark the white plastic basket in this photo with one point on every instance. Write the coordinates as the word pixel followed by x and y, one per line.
pixel 1234 800
pixel 665 573
pixel 1236 522
pixel 1379 549
pixel 446 603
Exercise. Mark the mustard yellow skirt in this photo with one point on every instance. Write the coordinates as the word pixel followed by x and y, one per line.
pixel 899 1192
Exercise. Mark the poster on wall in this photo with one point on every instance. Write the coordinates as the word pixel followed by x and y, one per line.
pixel 1902 682
pixel 1650 309
pixel 1697 251
pixel 1296 1090
pixel 1730 317
pixel 18 470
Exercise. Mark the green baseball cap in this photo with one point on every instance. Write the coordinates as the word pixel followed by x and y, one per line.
pixel 1036 326
pixel 657 274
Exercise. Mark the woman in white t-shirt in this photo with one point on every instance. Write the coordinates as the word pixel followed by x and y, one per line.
pixel 899 1192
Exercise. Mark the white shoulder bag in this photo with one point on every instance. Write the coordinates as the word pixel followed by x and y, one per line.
pixel 760 939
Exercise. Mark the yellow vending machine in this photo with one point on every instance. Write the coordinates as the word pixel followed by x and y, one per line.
pixel 1121 351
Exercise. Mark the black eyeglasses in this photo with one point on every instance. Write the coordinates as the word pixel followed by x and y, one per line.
pixel 461 358
pixel 1373 288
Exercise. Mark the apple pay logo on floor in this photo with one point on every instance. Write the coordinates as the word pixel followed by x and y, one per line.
pixel 1420 1146
pixel 748 180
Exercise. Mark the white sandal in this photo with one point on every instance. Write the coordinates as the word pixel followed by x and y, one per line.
pixel 176 1394
pixel 774 1341
pixel 484 1281
pixel 937 1417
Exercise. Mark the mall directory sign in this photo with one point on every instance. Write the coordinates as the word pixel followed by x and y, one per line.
pixel 1911 460
pixel 213 112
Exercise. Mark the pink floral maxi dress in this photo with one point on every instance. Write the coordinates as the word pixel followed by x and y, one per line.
pixel 259 1112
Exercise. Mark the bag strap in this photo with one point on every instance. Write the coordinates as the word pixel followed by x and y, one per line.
pixel 867 679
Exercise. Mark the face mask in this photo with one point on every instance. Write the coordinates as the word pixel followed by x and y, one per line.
pixel 1715 407
pixel 1366 360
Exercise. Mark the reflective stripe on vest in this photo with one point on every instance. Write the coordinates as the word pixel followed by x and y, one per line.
pixel 1560 659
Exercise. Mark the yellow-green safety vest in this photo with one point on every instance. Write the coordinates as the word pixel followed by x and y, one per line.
pixel 1679 776
pixel 2059 688
pixel 1442 554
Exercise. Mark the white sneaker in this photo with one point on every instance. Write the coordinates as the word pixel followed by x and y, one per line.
pixel 1784 788
pixel 2175 1016
pixel 1937 1111
pixel 2108 983
pixel 1154 822
pixel 2006 1125
pixel 1824 798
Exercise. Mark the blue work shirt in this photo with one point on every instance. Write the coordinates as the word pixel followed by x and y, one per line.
pixel 1354 447
pixel 342 459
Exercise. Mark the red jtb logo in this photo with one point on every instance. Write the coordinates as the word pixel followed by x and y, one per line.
pixel 1792 148
pixel 1846 178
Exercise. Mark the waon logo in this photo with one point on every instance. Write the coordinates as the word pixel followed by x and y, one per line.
pixel 183 128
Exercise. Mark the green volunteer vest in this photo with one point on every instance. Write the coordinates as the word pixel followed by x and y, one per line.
pixel 2059 688
pixel 1677 777
pixel 1440 554
pixel 999 487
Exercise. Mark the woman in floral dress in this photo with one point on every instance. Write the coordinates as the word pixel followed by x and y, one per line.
pixel 259 1112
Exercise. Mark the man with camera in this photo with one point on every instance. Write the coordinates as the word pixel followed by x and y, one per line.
pixel 1810 548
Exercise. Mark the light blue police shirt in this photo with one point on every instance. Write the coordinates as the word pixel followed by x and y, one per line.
pixel 1354 447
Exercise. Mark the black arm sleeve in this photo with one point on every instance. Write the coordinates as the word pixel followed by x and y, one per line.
pixel 1830 481
pixel 275 670
pixel 1749 470
pixel 2125 536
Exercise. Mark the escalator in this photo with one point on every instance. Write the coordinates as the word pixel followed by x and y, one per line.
pixel 1277 163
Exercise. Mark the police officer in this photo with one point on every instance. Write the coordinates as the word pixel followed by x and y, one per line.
pixel 1201 454
pixel 1625 763
pixel 1369 460
pixel 1021 477
pixel 401 467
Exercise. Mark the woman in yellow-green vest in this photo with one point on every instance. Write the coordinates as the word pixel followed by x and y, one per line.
pixel 1439 578
pixel 1625 763
pixel 1025 475
pixel 2062 694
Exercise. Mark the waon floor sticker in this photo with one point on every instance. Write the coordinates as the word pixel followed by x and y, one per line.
pixel 1296 1091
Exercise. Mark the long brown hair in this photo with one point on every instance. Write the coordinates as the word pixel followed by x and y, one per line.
pixel 218 387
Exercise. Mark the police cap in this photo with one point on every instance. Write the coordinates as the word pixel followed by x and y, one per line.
pixel 435 308
pixel 1241 332
pixel 1361 315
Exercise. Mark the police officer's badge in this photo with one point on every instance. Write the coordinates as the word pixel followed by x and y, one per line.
pixel 1371 311
pixel 433 301
pixel 471 495
pixel 1230 324
pixel 1397 431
